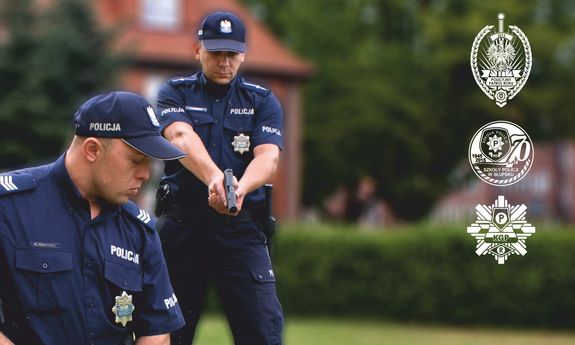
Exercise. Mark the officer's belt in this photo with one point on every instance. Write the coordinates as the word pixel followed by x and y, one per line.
pixel 177 212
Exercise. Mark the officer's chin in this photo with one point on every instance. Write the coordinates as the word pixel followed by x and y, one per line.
pixel 222 79
pixel 121 199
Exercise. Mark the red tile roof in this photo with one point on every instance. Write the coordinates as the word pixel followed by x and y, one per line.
pixel 265 53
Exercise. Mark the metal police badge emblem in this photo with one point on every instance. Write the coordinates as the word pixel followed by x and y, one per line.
pixel 241 143
pixel 501 230
pixel 226 26
pixel 501 153
pixel 501 61
pixel 123 308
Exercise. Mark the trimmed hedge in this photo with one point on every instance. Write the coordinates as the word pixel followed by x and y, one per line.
pixel 425 274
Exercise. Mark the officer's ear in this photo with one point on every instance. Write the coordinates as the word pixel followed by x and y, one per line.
pixel 91 148
pixel 197 47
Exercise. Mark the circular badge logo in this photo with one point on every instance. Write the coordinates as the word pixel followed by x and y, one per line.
pixel 501 153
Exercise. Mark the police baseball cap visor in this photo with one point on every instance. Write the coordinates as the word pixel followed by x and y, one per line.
pixel 155 146
pixel 127 116
pixel 224 45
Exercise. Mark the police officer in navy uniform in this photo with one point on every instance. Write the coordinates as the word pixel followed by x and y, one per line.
pixel 221 121
pixel 79 262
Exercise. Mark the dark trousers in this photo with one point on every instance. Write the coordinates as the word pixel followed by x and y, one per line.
pixel 234 257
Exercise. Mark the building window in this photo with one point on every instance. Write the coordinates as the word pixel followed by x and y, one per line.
pixel 164 14
pixel 152 84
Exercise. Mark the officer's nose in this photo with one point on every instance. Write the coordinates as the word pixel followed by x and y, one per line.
pixel 224 61
pixel 143 171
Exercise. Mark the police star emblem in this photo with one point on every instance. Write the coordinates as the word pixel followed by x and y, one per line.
pixel 501 230
pixel 123 308
pixel 241 143
pixel 501 61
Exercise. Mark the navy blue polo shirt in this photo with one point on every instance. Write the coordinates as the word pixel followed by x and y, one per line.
pixel 224 117
pixel 61 270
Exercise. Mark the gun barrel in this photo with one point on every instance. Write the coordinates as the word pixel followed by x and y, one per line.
pixel 230 191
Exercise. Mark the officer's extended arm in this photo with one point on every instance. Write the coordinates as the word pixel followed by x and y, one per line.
pixel 197 159
pixel 260 170
pixel 162 339
pixel 4 340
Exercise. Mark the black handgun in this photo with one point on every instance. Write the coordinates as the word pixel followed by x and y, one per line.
pixel 230 191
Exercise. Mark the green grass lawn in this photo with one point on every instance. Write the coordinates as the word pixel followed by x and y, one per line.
pixel 214 331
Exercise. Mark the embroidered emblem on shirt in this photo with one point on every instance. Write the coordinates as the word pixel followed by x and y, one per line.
pixel 123 308
pixel 241 143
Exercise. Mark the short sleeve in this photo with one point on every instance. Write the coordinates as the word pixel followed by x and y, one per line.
pixel 171 106
pixel 157 309
pixel 269 119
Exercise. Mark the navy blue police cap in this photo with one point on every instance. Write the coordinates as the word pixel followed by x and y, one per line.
pixel 223 31
pixel 128 116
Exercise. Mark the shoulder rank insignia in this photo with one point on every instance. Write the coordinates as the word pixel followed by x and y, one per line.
pixel 184 80
pixel 241 143
pixel 16 183
pixel 134 211
pixel 123 308
pixel 255 87
pixel 144 216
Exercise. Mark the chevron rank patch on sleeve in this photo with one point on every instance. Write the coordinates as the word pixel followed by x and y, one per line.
pixel 144 216
pixel 16 183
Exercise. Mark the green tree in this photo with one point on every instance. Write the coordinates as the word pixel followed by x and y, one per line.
pixel 50 60
pixel 393 96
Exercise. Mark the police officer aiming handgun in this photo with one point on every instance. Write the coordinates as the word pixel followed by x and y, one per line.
pixel 221 121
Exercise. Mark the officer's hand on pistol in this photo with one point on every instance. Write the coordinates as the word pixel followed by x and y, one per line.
pixel 217 196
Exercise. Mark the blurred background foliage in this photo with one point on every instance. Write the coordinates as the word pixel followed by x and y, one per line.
pixel 393 96
pixel 422 274
pixel 51 61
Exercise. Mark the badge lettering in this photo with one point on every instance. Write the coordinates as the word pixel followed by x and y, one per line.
pixel 242 111
pixel 171 301
pixel 275 131
pixel 125 254
pixel 172 110
pixel 105 126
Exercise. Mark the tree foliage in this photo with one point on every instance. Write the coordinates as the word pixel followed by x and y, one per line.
pixel 394 97
pixel 50 60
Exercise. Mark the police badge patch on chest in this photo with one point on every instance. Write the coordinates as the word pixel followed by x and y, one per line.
pixel 241 143
pixel 123 309
pixel 501 61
